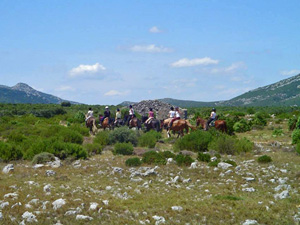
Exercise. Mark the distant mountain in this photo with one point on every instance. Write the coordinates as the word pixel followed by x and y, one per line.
pixel 127 103
pixel 283 93
pixel 23 93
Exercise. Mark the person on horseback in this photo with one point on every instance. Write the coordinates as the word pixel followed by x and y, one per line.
pixel 89 114
pixel 176 117
pixel 150 116
pixel 213 116
pixel 172 112
pixel 118 115
pixel 131 114
pixel 106 114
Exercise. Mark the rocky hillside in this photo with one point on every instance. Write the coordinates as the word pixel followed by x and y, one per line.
pixel 161 109
pixel 23 93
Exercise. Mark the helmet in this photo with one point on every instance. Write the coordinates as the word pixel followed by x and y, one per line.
pixel 130 106
pixel 150 109
pixel 172 108
pixel 118 109
pixel 176 108
pixel 106 107
pixel 213 109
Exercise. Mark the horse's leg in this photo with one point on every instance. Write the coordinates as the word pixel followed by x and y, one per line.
pixel 168 133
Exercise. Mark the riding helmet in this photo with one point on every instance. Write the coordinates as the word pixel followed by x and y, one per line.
pixel 213 109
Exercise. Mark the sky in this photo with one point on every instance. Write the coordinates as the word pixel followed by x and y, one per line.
pixel 106 52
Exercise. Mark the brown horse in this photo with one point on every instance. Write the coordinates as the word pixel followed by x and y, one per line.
pixel 91 124
pixel 177 126
pixel 135 122
pixel 107 123
pixel 219 124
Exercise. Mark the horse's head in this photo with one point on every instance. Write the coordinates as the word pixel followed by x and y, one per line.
pixel 144 118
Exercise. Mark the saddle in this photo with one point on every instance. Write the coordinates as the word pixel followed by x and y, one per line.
pixel 212 123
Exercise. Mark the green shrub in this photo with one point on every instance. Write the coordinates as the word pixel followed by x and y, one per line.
pixel 277 132
pixel 133 162
pixel 292 123
pixel 152 157
pixel 183 160
pixel 203 157
pixel 43 158
pixel 196 141
pixel 123 149
pixel 243 145
pixel 214 163
pixel 16 137
pixel 36 147
pixel 76 151
pixel 101 138
pixel 167 154
pixel 296 136
pixel 264 159
pixel 83 130
pixel 233 163
pixel 241 126
pixel 149 139
pixel 71 136
pixel 93 149
pixel 298 123
pixel 218 156
pixel 65 104
pixel 298 148
pixel 260 119
pixel 122 134
pixel 79 117
pixel 9 152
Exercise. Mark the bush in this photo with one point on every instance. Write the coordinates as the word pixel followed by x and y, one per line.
pixel 264 159
pixel 101 138
pixel 298 148
pixel 241 126
pixel 152 157
pixel 196 141
pixel 75 150
pixel 9 152
pixel 149 139
pixel 277 132
pixel 167 154
pixel 65 104
pixel 71 136
pixel 233 163
pixel 214 163
pixel 133 162
pixel 244 145
pixel 260 119
pixel 79 117
pixel 203 157
pixel 93 149
pixel 43 158
pixel 292 123
pixel 122 134
pixel 83 130
pixel 123 149
pixel 183 160
pixel 16 137
pixel 295 136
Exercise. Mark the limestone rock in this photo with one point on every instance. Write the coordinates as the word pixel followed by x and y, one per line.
pixel 250 222
pixel 224 166
pixel 8 168
pixel 82 217
pixel 58 203
pixel 29 217
pixel 282 195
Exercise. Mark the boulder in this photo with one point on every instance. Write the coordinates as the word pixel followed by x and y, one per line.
pixel 224 166
pixel 58 203
pixel 29 217
pixel 8 168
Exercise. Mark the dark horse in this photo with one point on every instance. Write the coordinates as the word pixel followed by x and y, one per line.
pixel 108 123
pixel 91 124
pixel 154 124
pixel 219 124
pixel 134 122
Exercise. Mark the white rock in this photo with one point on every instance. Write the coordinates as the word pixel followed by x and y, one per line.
pixel 1 216
pixel 224 166
pixel 29 217
pixel 37 166
pixel 170 161
pixel 282 180
pixel 138 179
pixel 175 179
pixel 249 179
pixel 11 195
pixel 250 222
pixel 282 195
pixel 158 219
pixel 8 168
pixel 105 202
pixel 194 165
pixel 4 204
pixel 82 217
pixel 117 170
pixel 177 208
pixel 283 171
pixel 50 173
pixel 70 212
pixel 76 164
pixel 47 188
pixel 251 189
pixel 93 205
pixel 58 203
pixel 214 158
pixel 108 188
pixel 228 172
pixel 56 163
pixel 188 180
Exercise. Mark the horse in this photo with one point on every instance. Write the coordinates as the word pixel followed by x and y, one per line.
pixel 108 123
pixel 219 124
pixel 91 124
pixel 177 126
pixel 119 122
pixel 154 124
pixel 134 122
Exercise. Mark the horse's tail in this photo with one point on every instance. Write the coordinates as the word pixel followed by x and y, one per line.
pixel 157 125
pixel 94 125
pixel 225 127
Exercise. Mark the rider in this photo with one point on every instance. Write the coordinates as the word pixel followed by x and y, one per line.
pixel 212 117
pixel 89 114
pixel 150 116
pixel 118 115
pixel 172 112
pixel 176 117
pixel 131 114
pixel 106 114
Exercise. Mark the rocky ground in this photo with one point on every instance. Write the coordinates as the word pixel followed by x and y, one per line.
pixel 102 190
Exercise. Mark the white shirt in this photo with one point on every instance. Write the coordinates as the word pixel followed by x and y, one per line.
pixel 172 114
pixel 90 113
pixel 213 115
pixel 177 114
pixel 131 112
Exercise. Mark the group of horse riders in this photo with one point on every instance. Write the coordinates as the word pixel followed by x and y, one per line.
pixel 173 115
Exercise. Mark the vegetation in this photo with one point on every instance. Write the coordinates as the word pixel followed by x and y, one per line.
pixel 123 135
pixel 203 157
pixel 123 149
pixel 135 161
pixel 264 159
pixel 43 158
pixel 153 157
pixel 183 160
pixel 149 139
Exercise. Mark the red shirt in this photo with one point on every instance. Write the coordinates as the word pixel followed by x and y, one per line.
pixel 151 114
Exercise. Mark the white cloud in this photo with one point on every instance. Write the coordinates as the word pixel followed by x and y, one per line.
pixel 116 93
pixel 86 69
pixel 194 62
pixel 64 88
pixel 230 69
pixel 155 30
pixel 149 48
pixel 290 72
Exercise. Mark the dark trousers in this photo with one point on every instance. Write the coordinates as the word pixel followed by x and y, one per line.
pixel 208 122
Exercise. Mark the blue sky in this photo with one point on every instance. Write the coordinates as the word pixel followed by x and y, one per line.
pixel 106 52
